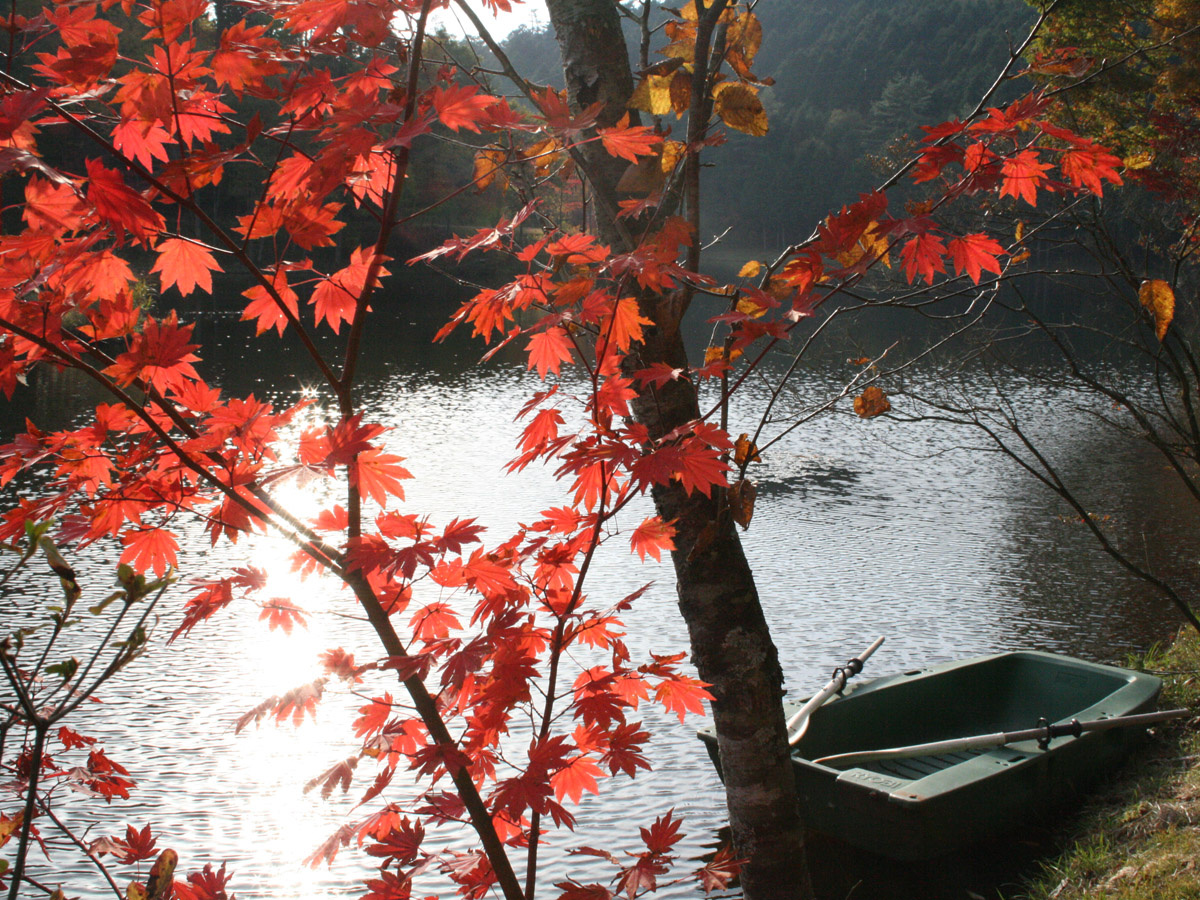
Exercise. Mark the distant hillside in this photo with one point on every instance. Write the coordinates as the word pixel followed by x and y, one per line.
pixel 851 76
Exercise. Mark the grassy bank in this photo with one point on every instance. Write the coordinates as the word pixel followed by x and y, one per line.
pixel 1139 839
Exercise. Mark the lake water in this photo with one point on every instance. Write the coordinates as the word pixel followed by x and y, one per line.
pixel 863 528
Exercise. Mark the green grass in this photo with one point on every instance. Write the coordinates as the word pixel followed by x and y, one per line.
pixel 1140 838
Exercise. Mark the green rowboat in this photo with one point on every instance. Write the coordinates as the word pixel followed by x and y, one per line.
pixel 917 807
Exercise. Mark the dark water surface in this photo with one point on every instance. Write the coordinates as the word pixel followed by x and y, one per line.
pixel 862 529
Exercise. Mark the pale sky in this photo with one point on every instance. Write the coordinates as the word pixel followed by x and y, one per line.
pixel 528 13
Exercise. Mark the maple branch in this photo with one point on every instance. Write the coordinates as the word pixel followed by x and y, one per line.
pixel 74 839
pixel 401 156
pixel 426 707
pixel 39 745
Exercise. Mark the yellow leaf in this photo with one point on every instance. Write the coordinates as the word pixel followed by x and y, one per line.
pixel 871 402
pixel 684 49
pixel 739 107
pixel 544 155
pixel 748 307
pixel 741 502
pixel 780 287
pixel 1156 295
pixel 672 153
pixel 750 269
pixel 653 95
pixel 745 451
pixel 1138 160
pixel 160 880
pixel 745 35
pixel 1020 233
pixel 871 245
pixel 135 891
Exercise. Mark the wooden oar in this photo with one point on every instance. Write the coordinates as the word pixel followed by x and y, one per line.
pixel 999 739
pixel 840 675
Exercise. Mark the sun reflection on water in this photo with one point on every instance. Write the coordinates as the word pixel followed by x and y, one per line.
pixel 279 823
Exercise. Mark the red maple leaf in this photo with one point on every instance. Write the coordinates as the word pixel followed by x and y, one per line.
pixel 664 834
pixel 335 298
pixel 461 106
pixel 379 475
pixel 548 350
pixel 641 877
pixel 143 141
pixel 186 265
pixel 652 537
pixel 624 327
pixel 682 694
pixel 150 548
pixel 341 773
pixel 434 621
pixel 716 874
pixel 281 613
pixel 388 887
pixel 373 716
pixel 50 206
pixel 629 141
pixel 136 846
pixel 578 775
pixel 265 310
pixel 1021 176
pixel 119 205
pixel 160 354
pixel 923 255
pixel 1089 167
pixel 973 253
pixel 204 885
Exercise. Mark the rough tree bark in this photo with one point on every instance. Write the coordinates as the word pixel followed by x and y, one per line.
pixel 730 641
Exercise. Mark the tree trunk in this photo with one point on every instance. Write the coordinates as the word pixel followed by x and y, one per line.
pixel 731 644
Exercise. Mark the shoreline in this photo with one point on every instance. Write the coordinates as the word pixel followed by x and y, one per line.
pixel 1138 836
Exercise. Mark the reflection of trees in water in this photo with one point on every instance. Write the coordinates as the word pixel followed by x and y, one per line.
pixel 1063 578
pixel 805 477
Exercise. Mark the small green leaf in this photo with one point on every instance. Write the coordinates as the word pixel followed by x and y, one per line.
pixel 66 669
pixel 104 604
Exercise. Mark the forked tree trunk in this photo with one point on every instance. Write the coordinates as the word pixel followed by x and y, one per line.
pixel 731 644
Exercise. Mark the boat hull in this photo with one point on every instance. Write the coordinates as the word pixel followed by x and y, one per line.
pixel 918 808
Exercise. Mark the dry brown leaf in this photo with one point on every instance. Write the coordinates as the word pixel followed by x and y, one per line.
pixel 642 177
pixel 745 451
pixel 681 91
pixel 712 354
pixel 489 163
pixel 741 502
pixel 871 402
pixel 1156 295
